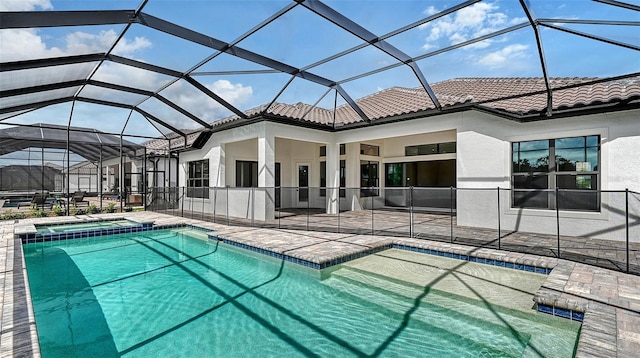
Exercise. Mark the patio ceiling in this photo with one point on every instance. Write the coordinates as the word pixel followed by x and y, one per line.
pixel 175 66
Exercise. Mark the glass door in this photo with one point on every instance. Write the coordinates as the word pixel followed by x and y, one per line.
pixel 394 180
pixel 303 183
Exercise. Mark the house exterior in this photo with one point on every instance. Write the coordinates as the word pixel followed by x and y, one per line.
pixel 457 157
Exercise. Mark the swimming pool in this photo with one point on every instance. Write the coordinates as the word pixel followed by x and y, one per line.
pixel 13 202
pixel 176 293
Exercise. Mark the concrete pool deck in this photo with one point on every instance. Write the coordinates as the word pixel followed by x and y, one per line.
pixel 610 300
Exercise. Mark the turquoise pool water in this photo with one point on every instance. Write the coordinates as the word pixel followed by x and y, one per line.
pixel 13 202
pixel 96 225
pixel 173 293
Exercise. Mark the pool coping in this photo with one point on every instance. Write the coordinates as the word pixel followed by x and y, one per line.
pixel 607 328
pixel 29 233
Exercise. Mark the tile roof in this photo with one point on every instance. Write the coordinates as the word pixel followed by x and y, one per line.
pixel 521 97
pixel 159 145
pixel 515 95
pixel 518 96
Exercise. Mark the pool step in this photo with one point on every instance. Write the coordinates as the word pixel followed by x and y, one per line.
pixel 434 311
pixel 475 308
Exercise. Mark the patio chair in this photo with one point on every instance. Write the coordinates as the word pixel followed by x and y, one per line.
pixel 38 200
pixel 78 199
pixel 113 195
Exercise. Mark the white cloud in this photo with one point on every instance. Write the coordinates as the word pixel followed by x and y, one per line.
pixel 427 46
pixel 25 5
pixel 468 23
pixel 457 38
pixel 23 44
pixel 202 105
pixel 83 42
pixel 126 47
pixel 430 11
pixel 26 44
pixel 125 75
pixel 474 15
pixel 518 20
pixel 233 93
pixel 504 57
pixel 496 19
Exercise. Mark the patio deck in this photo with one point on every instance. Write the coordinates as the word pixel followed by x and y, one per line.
pixel 444 228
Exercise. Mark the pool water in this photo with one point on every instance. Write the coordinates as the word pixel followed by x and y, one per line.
pixel 96 225
pixel 174 293
pixel 13 202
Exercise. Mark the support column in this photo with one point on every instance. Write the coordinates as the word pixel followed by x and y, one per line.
pixel 100 174
pixel 144 179
pixel 217 166
pixel 333 177
pixel 353 175
pixel 265 198
pixel 217 178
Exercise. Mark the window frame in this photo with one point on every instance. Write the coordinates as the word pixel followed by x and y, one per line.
pixel 249 169
pixel 553 174
pixel 371 150
pixel 370 190
pixel 202 178
pixel 437 148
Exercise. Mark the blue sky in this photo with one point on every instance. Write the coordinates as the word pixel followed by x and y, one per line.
pixel 301 38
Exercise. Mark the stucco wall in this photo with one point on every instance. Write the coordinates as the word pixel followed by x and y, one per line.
pixel 483 161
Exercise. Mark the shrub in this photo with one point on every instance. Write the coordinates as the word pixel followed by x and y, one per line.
pixel 76 211
pixel 128 209
pixel 111 208
pixel 58 211
pixel 37 213
pixel 9 215
pixel 92 209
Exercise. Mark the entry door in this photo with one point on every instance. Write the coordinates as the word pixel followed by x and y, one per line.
pixel 303 183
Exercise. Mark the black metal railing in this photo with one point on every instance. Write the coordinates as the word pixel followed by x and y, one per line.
pixel 596 227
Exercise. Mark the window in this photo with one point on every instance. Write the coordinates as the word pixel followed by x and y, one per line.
pixel 427 149
pixel 368 178
pixel 198 179
pixel 367 149
pixel 563 163
pixel 323 178
pixel 246 174
pixel 323 150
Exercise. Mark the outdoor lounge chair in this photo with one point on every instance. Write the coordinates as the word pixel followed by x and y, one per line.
pixel 38 200
pixel 78 199
pixel 112 195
